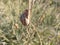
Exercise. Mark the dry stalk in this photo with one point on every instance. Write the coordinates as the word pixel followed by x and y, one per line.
pixel 29 16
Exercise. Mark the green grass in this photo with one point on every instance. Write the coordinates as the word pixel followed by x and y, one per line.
pixel 44 27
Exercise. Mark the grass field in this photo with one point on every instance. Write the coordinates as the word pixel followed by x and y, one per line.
pixel 44 27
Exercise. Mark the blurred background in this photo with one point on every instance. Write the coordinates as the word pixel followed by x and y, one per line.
pixel 44 27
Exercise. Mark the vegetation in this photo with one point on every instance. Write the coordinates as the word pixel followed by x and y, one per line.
pixel 44 27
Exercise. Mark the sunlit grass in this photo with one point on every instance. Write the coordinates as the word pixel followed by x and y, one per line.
pixel 44 27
